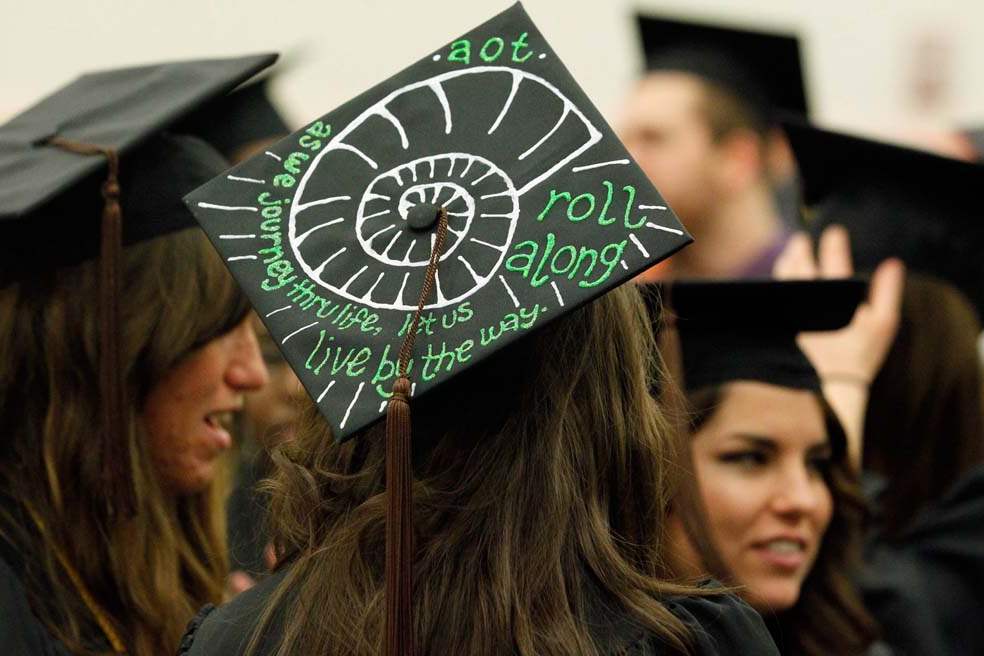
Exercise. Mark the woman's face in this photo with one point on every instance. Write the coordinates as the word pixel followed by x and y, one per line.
pixel 186 410
pixel 759 462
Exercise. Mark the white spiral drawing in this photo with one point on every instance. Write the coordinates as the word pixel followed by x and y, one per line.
pixel 416 147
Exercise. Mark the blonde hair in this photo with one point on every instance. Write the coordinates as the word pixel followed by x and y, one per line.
pixel 149 573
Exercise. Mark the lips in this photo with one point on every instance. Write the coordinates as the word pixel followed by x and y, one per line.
pixel 215 427
pixel 786 553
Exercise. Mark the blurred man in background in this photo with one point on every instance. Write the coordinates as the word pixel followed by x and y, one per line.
pixel 702 127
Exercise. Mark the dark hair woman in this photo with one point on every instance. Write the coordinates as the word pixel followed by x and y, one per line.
pixel 930 386
pixel 112 525
pixel 773 505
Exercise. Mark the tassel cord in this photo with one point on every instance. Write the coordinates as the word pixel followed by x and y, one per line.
pixel 399 637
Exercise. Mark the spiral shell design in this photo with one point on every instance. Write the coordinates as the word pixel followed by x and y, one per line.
pixel 476 163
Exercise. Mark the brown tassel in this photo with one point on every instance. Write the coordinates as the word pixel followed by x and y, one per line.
pixel 399 523
pixel 114 447
pixel 399 480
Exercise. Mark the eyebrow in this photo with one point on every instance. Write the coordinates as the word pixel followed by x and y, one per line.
pixel 757 440
pixel 769 443
pixel 824 448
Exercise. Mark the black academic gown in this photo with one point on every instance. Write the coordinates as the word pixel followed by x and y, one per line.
pixel 722 626
pixel 926 588
pixel 21 633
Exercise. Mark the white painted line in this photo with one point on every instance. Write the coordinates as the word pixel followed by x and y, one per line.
pixel 578 169
pixel 352 404
pixel 299 330
pixel 516 79
pixel 510 291
pixel 638 245
pixel 322 395
pixel 286 307
pixel 664 228
pixel 226 208
pixel 560 299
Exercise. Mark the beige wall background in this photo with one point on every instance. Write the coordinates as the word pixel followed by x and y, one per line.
pixel 865 59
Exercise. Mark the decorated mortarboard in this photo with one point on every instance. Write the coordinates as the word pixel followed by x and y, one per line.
pixel 764 68
pixel 746 330
pixel 896 202
pixel 468 200
pixel 48 192
pixel 330 231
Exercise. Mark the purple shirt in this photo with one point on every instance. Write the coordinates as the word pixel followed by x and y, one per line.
pixel 761 265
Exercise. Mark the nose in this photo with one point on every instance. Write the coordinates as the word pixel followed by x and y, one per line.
pixel 798 492
pixel 246 371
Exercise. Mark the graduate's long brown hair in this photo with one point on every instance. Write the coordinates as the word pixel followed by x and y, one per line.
pixel 149 573
pixel 829 617
pixel 542 480
pixel 925 423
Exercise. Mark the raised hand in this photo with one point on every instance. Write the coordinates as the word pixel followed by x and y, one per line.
pixel 848 359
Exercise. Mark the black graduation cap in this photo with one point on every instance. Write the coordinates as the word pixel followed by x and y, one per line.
pixel 746 329
pixel 48 191
pixel 244 117
pixel 764 68
pixel 896 202
pixel 546 211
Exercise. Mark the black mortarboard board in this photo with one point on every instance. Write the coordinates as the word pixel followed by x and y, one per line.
pixel 746 329
pixel 764 68
pixel 895 202
pixel 47 192
pixel 245 116
pixel 317 229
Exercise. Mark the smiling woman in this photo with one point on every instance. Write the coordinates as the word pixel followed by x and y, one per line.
pixel 187 411
pixel 778 514
pixel 761 477
pixel 773 507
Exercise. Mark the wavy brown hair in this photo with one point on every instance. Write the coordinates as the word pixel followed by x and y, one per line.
pixel 542 480
pixel 149 573
pixel 925 423
pixel 829 617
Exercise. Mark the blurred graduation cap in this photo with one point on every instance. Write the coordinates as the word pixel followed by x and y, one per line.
pixel 99 143
pixel 50 195
pixel 478 189
pixel 895 202
pixel 239 121
pixel 763 68
pixel 746 329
